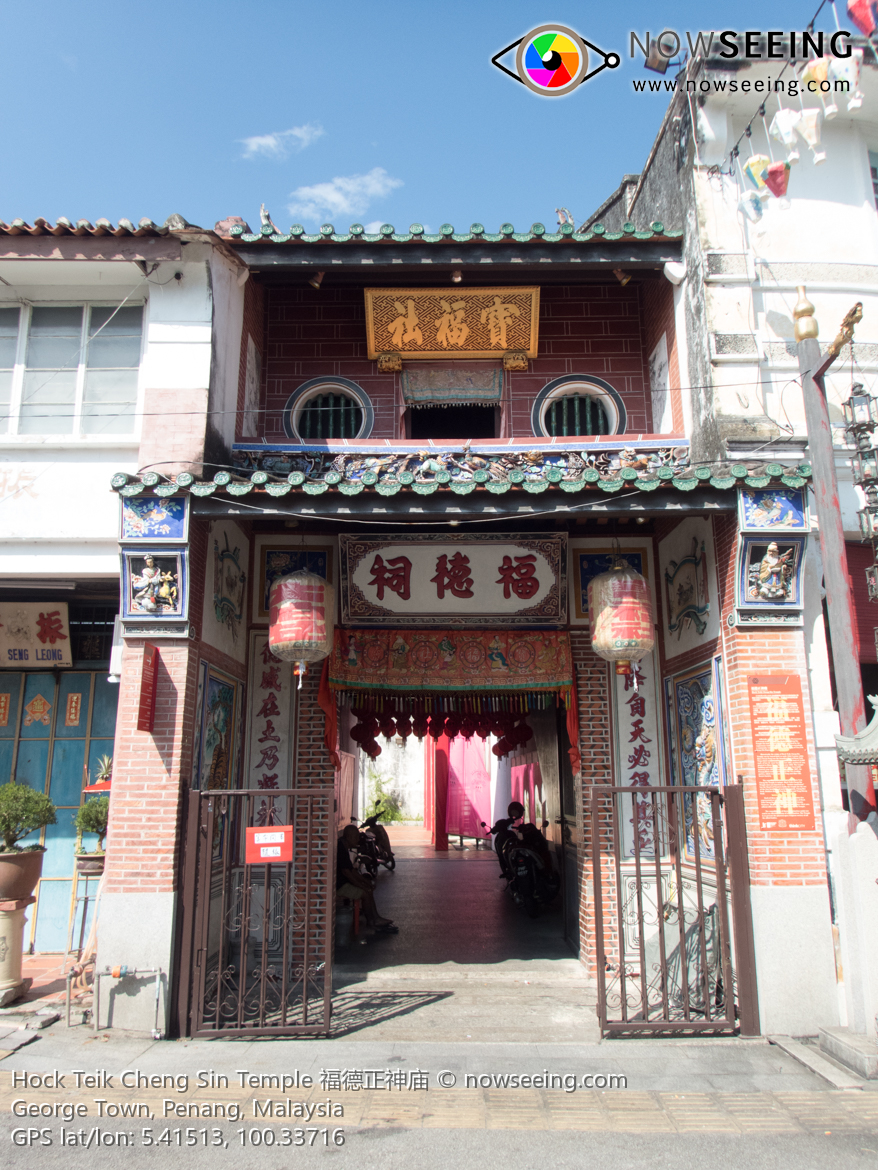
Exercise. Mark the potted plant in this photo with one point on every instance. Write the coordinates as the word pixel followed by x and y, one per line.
pixel 23 810
pixel 92 817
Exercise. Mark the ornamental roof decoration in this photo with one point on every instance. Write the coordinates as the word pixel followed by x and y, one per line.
pixel 462 471
pixel 101 227
pixel 417 234
pixel 861 748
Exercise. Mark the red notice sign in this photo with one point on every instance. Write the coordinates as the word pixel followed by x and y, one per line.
pixel 780 750
pixel 271 844
pixel 148 675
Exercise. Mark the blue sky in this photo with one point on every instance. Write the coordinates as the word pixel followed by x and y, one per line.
pixel 328 112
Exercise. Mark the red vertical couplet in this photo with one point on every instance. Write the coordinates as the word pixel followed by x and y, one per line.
pixel 780 752
pixel 148 677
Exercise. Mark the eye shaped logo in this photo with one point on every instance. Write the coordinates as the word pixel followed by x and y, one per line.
pixel 552 60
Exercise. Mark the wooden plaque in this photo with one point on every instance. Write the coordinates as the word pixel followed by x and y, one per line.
pixel 451 322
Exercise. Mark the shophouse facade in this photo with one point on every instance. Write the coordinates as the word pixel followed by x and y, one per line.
pixel 102 326
pixel 393 440
pixel 743 270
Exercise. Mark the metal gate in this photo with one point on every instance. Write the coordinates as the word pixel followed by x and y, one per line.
pixel 259 955
pixel 672 923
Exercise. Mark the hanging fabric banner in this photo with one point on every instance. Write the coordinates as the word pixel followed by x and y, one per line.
pixel 398 662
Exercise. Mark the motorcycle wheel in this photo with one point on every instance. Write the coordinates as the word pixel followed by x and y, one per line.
pixel 392 863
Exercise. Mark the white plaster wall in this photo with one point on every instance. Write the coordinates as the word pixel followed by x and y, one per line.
pixel 58 515
pixel 179 324
pixel 130 1003
pixel 227 282
pixel 795 963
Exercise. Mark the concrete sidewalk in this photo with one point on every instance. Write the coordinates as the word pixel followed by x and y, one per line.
pixel 744 1101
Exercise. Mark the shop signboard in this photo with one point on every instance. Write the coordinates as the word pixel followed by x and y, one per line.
pixel 34 635
pixel 445 581
pixel 780 752
pixel 440 323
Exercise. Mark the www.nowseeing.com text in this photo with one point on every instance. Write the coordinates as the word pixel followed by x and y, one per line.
pixel 792 86
pixel 569 1082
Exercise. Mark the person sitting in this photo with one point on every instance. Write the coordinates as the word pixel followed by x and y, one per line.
pixel 350 883
pixel 505 835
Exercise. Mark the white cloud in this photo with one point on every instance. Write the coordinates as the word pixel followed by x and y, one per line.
pixel 279 144
pixel 373 226
pixel 345 195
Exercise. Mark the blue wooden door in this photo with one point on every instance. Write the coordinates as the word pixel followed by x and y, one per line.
pixel 53 730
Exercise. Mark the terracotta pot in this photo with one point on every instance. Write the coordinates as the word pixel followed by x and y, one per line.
pixel 90 864
pixel 19 874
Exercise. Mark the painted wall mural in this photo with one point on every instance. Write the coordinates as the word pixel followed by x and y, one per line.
pixel 154 519
pixel 222 623
pixel 218 744
pixel 690 598
pixel 697 746
pixel 773 509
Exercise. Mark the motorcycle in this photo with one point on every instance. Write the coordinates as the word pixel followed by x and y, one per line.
pixel 526 864
pixel 375 844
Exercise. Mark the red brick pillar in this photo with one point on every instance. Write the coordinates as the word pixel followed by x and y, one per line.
pixel 595 740
pixel 150 770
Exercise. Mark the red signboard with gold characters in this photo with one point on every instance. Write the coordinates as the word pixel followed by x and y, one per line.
pixel 780 752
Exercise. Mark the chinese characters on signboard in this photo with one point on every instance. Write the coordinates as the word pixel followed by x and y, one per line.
pixel 271 684
pixel 437 323
pixel 441 581
pixel 780 752
pixel 34 635
pixel 638 752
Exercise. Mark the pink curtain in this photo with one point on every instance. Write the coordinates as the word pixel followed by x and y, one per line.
pixel 469 788
pixel 527 788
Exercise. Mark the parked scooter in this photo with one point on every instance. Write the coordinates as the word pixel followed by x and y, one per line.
pixel 525 860
pixel 375 844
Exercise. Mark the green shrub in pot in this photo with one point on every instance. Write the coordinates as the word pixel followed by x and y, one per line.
pixel 92 817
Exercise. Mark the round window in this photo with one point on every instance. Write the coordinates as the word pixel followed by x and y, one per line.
pixel 324 409
pixel 578 405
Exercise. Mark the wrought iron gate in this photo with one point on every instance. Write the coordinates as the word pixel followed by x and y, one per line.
pixel 259 955
pixel 674 936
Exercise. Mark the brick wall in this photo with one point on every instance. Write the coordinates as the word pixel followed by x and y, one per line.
pixel 148 766
pixel 584 329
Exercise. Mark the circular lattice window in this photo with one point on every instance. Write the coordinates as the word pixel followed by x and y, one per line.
pixel 578 405
pixel 325 408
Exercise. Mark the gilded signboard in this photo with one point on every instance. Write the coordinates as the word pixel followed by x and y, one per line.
pixel 444 581
pixel 444 322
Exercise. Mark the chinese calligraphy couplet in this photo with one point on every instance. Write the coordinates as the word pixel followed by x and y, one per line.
pixel 638 753
pixel 270 691
pixel 148 678
pixel 780 752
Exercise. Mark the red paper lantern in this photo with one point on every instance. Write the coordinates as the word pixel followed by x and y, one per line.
pixel 301 619
pixel 622 622
pixel 420 724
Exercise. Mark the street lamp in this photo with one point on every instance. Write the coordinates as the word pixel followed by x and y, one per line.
pixel 865 465
pixel 860 410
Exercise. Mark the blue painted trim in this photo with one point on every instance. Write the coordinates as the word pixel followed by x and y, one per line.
pixel 357 391
pixel 589 379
